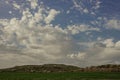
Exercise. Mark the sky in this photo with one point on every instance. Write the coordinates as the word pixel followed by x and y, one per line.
pixel 75 32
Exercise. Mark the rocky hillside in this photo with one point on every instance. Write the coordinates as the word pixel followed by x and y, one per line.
pixel 43 68
pixel 62 68
pixel 103 68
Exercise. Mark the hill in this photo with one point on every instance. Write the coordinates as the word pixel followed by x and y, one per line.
pixel 103 68
pixel 46 68
pixel 43 68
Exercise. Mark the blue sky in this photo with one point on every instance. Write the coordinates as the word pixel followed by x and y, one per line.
pixel 77 32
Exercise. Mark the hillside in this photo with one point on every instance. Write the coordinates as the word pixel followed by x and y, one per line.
pixel 46 68
pixel 103 68
pixel 43 68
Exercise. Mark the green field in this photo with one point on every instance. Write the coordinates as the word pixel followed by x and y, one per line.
pixel 61 76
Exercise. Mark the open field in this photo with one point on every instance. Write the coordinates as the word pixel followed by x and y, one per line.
pixel 61 76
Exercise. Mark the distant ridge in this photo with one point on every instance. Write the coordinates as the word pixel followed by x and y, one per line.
pixel 46 68
pixel 103 68
pixel 43 68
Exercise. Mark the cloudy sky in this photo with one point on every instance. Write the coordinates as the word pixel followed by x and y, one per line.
pixel 76 32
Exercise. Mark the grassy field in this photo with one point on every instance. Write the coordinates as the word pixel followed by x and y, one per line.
pixel 61 76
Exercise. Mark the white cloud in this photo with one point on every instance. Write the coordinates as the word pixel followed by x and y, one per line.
pixel 81 6
pixel 33 3
pixel 85 10
pixel 78 5
pixel 16 6
pixel 28 40
pixel 97 4
pixel 117 45
pixel 81 56
pixel 10 60
pixel 78 56
pixel 51 15
pixel 75 29
pixel 113 24
pixel 67 12
pixel 10 12
pixel 43 43
pixel 35 40
pixel 109 43
pixel 99 52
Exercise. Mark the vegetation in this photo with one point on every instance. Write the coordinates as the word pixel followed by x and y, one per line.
pixel 46 68
pixel 103 68
pixel 61 72
pixel 60 76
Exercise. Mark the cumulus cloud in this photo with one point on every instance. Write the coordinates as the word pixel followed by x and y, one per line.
pixel 113 24
pixel 109 43
pixel 75 29
pixel 10 60
pixel 16 6
pixel 98 52
pixel 33 39
pixel 51 15
pixel 80 6
pixel 78 56
pixel 33 3
pixel 117 45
